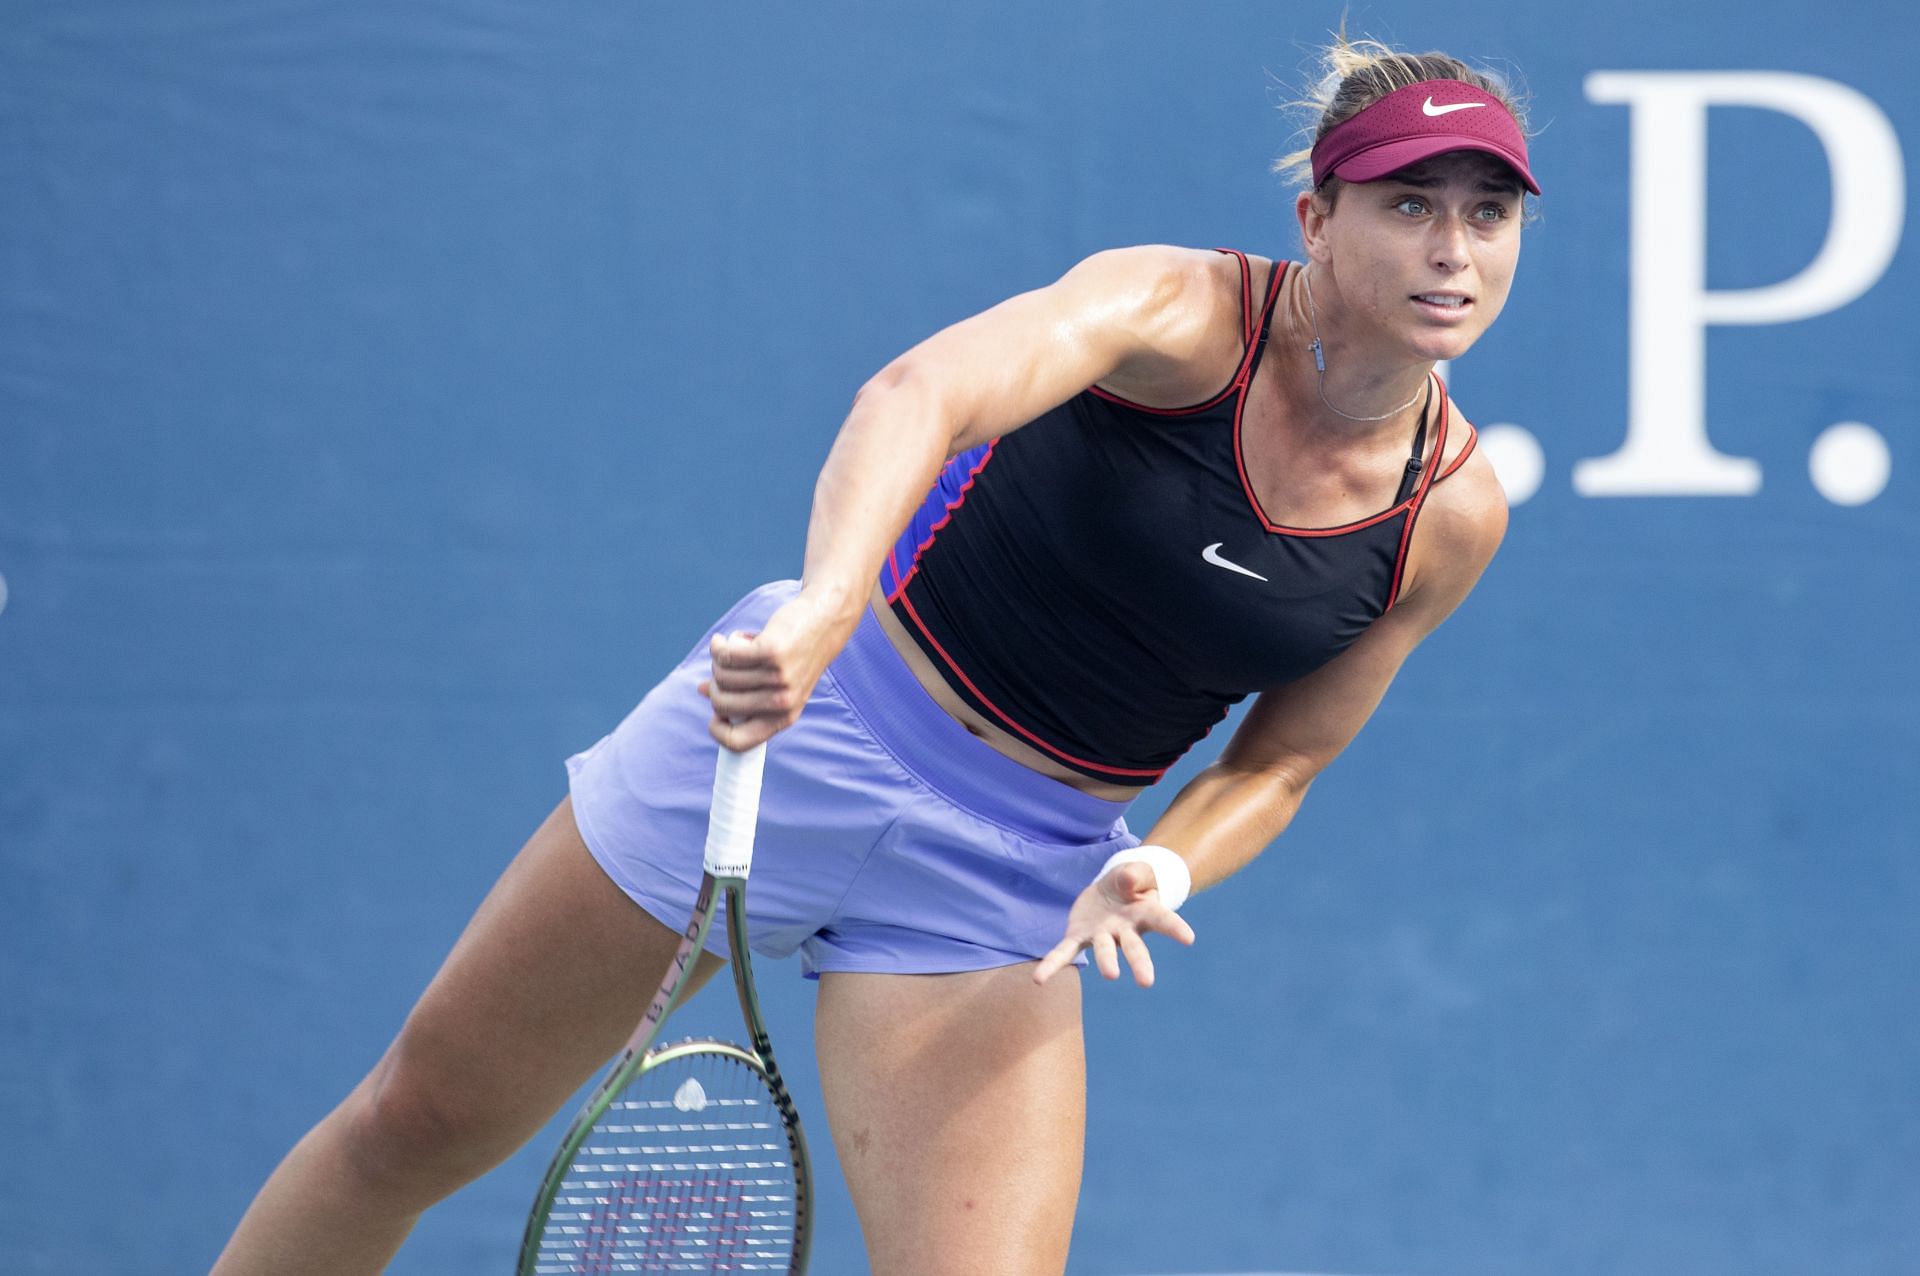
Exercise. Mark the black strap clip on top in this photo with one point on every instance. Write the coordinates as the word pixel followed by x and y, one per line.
pixel 1414 464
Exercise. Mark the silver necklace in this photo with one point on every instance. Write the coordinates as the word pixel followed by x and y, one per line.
pixel 1320 362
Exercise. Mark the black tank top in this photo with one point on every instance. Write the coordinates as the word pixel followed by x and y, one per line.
pixel 1103 582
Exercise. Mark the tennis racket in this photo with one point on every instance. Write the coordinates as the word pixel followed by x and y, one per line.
pixel 689 1156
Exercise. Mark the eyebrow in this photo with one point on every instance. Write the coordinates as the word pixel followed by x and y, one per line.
pixel 1427 181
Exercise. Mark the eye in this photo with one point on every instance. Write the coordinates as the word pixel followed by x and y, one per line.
pixel 1412 205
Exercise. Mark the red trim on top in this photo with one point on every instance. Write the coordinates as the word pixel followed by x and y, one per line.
pixel 1473 437
pixel 1275 274
pixel 959 499
pixel 1189 410
pixel 1419 498
pixel 1248 329
pixel 1001 714
pixel 1246 484
pixel 1246 296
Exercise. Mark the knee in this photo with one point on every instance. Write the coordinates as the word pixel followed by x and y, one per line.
pixel 415 1132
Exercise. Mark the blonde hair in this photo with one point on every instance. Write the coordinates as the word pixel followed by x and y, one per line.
pixel 1354 74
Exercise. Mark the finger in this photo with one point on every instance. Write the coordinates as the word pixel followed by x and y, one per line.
pixel 706 686
pixel 736 651
pixel 741 736
pixel 1128 883
pixel 735 678
pixel 1139 880
pixel 731 702
pixel 1137 957
pixel 1105 956
pixel 727 733
pixel 1164 920
pixel 1058 958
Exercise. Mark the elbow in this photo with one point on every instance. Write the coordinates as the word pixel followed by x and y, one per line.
pixel 888 379
pixel 1286 779
pixel 904 379
pixel 1293 780
pixel 907 397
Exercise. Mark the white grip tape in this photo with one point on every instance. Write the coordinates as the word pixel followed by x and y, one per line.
pixel 736 806
pixel 1170 874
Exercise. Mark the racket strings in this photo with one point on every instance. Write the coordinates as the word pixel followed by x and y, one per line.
pixel 688 1170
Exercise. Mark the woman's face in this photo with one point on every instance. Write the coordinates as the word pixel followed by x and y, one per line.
pixel 1423 258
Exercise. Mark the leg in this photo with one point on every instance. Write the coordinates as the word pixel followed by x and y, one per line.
pixel 958 1109
pixel 551 975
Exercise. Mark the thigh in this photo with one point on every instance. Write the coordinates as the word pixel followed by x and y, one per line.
pixel 545 984
pixel 958 1111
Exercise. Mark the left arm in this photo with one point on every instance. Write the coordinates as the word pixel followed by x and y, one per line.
pixel 1234 808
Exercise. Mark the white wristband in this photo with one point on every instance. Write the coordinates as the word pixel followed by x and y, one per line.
pixel 1170 873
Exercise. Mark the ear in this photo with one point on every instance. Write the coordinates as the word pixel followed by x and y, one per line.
pixel 1313 212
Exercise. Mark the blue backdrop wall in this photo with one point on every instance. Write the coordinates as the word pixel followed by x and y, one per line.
pixel 389 394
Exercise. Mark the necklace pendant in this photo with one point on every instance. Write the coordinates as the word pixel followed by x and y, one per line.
pixel 1320 362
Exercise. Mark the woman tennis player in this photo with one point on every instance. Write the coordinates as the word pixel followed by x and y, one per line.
pixel 1051 546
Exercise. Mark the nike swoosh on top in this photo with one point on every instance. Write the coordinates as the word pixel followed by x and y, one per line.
pixel 1212 554
pixel 1428 108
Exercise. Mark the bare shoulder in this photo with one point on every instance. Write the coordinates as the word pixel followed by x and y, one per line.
pixel 1461 524
pixel 1163 274
pixel 1185 305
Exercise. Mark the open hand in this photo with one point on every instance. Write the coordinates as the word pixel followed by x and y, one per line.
pixel 1110 917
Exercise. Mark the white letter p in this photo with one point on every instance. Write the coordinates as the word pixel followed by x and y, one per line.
pixel 1666 451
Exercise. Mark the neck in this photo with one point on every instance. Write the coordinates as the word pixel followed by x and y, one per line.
pixel 1343 389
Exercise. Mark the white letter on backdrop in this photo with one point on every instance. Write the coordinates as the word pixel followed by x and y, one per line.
pixel 1667 452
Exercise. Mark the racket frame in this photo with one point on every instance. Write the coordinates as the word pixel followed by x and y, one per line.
pixel 641 1055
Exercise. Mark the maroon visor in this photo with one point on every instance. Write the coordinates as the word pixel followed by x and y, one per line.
pixel 1416 123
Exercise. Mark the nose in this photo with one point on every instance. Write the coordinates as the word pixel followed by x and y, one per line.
pixel 1449 251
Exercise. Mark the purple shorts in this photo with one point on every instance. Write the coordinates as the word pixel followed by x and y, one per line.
pixel 891 838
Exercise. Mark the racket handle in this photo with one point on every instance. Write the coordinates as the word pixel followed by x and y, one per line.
pixel 736 806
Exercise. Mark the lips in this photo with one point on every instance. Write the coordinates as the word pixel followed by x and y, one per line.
pixel 1447 304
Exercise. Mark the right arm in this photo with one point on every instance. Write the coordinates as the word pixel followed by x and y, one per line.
pixel 1153 316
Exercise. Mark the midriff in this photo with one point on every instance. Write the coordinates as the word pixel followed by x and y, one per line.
pixel 999 738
